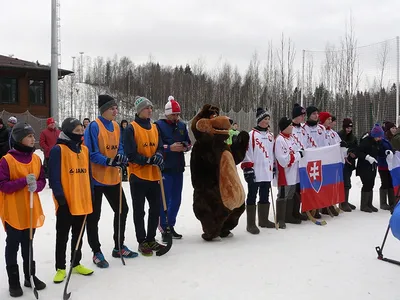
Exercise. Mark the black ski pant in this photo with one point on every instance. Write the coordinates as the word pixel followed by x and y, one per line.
pixel 368 180
pixel 140 190
pixel 386 180
pixel 262 188
pixel 64 223
pixel 347 171
pixel 14 238
pixel 112 195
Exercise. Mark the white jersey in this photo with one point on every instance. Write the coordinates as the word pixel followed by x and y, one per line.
pixel 260 155
pixel 287 156
pixel 300 135
pixel 316 136
pixel 332 137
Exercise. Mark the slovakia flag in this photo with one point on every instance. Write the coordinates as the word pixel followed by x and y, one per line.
pixel 394 168
pixel 321 177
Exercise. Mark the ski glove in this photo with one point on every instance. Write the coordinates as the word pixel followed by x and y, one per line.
pixel 31 182
pixel 157 160
pixel 249 175
pixel 389 154
pixel 370 159
pixel 121 159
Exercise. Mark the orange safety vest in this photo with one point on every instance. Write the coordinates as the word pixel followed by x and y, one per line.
pixel 108 146
pixel 147 143
pixel 75 181
pixel 15 207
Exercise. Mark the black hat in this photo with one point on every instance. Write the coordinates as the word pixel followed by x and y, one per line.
pixel 347 122
pixel 298 111
pixel 105 102
pixel 21 130
pixel 284 123
pixel 69 124
pixel 310 110
pixel 261 114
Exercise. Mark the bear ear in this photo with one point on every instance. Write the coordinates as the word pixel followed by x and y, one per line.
pixel 204 125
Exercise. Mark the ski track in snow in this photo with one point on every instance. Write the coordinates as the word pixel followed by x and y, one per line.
pixel 336 261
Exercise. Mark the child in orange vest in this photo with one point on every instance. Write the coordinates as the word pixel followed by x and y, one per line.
pixel 21 173
pixel 69 178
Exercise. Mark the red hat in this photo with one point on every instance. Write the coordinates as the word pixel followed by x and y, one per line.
pixel 323 116
pixel 50 121
pixel 172 106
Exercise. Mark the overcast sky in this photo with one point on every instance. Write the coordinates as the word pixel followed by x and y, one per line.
pixel 182 31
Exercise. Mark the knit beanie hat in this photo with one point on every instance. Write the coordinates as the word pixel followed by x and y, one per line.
pixel 50 121
pixel 105 102
pixel 12 120
pixel 21 130
pixel 284 123
pixel 172 106
pixel 388 125
pixel 377 131
pixel 347 122
pixel 298 111
pixel 261 114
pixel 141 103
pixel 310 110
pixel 323 116
pixel 69 125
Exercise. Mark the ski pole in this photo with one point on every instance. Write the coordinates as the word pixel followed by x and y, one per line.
pixel 35 292
pixel 66 295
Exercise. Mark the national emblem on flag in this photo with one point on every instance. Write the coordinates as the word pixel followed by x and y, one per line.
pixel 314 172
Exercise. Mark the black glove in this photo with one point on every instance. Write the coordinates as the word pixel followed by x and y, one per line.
pixel 249 175
pixel 157 159
pixel 343 144
pixel 301 152
pixel 121 160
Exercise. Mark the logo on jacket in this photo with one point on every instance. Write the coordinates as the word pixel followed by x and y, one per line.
pixel 147 144
pixel 319 131
pixel 314 173
pixel 77 171
pixel 112 147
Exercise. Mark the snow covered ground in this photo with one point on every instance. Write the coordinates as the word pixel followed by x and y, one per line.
pixel 336 261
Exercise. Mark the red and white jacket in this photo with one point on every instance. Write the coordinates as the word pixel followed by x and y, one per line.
pixel 316 136
pixel 332 137
pixel 287 157
pixel 300 135
pixel 260 155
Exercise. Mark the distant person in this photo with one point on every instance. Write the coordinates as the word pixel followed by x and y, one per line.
pixel 11 123
pixel 48 138
pixel 233 132
pixel 86 122
pixel 3 139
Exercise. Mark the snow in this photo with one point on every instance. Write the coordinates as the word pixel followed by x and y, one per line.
pixel 301 262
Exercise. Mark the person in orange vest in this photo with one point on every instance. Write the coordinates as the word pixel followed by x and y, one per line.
pixel 21 173
pixel 104 141
pixel 69 178
pixel 144 149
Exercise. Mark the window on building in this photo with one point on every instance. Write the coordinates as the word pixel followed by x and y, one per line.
pixel 36 92
pixel 8 90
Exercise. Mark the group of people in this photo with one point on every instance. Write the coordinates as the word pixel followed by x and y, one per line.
pixel 268 158
pixel 90 159
pixel 83 165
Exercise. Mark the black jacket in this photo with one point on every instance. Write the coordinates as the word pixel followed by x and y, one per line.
pixel 368 146
pixel 352 145
pixel 4 136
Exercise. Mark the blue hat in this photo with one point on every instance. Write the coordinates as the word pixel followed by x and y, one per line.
pixel 377 131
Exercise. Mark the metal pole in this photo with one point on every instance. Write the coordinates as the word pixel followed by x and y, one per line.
pixel 81 79
pixel 397 80
pixel 302 80
pixel 54 62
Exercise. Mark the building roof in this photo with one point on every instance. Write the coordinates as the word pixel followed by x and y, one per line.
pixel 7 62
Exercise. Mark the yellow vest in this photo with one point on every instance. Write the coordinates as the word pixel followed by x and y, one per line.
pixel 147 143
pixel 14 208
pixel 75 181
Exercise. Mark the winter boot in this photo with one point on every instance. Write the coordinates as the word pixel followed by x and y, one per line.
pixel 39 285
pixel 175 235
pixel 370 199
pixel 281 212
pixel 364 202
pixel 317 215
pixel 296 209
pixel 100 261
pixel 383 195
pixel 60 276
pixel 325 211
pixel 251 219
pixel 345 205
pixel 289 213
pixel 333 210
pixel 13 281
pixel 263 213
pixel 80 269
pixel 391 197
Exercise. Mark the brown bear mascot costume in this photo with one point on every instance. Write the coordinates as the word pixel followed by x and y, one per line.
pixel 218 197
